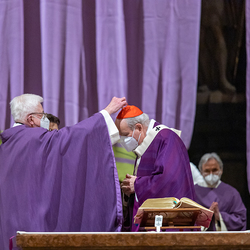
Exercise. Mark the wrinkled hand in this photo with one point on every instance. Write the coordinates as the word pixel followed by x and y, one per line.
pixel 215 208
pixel 116 104
pixel 127 185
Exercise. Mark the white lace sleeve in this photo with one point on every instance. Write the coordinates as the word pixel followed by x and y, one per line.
pixel 113 131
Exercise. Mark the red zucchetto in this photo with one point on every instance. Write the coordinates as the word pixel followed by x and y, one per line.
pixel 128 112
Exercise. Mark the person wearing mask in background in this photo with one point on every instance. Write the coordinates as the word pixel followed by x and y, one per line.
pixel 58 182
pixel 162 167
pixel 223 199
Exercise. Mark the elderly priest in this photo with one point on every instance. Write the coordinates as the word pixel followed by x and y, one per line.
pixel 162 167
pixel 60 180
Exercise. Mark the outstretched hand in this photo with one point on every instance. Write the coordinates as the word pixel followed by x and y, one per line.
pixel 116 104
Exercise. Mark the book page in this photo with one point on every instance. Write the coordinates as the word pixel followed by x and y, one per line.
pixel 168 202
pixel 205 215
pixel 186 202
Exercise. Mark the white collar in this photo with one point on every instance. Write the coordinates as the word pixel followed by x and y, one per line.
pixel 151 125
pixel 17 124
pixel 150 135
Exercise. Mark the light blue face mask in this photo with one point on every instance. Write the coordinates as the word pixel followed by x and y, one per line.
pixel 129 142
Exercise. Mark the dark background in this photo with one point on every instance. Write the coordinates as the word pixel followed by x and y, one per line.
pixel 220 122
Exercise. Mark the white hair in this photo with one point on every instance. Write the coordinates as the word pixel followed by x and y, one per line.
pixel 142 119
pixel 209 156
pixel 23 105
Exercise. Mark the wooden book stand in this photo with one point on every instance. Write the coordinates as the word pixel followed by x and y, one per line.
pixel 181 219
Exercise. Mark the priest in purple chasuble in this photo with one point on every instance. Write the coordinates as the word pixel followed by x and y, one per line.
pixel 162 167
pixel 223 199
pixel 58 181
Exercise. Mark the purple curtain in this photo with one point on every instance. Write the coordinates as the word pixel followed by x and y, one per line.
pixel 79 54
pixel 248 89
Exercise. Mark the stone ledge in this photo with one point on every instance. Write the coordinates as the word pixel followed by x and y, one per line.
pixel 148 240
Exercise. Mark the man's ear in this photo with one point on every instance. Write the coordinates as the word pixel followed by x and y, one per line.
pixel 138 126
pixel 30 121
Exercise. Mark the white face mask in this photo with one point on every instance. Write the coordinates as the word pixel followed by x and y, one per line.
pixel 212 179
pixel 44 122
pixel 129 143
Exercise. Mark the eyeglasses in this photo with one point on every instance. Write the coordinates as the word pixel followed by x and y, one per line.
pixel 37 113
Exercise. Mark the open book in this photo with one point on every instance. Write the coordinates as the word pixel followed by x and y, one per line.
pixel 176 212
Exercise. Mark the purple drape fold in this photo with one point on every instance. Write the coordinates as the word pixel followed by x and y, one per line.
pixel 111 51
pixel 11 56
pixel 79 54
pixel 171 62
pixel 248 89
pixel 63 59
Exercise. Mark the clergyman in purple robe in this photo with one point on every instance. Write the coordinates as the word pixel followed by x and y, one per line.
pixel 223 199
pixel 162 167
pixel 58 181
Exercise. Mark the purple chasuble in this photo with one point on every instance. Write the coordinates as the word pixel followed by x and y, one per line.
pixel 230 205
pixel 164 171
pixel 58 181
